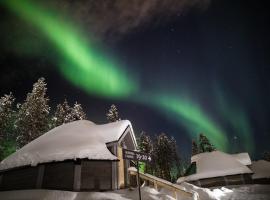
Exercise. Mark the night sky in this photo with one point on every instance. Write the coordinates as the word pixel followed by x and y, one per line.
pixel 179 67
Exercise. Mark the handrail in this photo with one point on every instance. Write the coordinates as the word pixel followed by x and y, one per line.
pixel 158 182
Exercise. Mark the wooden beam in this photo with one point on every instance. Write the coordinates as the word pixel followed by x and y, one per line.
pixel 40 176
pixel 1 178
pixel 114 176
pixel 77 177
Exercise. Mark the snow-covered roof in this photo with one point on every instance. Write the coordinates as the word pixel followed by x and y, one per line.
pixel 215 164
pixel 242 158
pixel 78 139
pixel 261 169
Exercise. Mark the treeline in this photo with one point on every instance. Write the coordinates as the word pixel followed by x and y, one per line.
pixel 20 123
pixel 166 162
pixel 203 145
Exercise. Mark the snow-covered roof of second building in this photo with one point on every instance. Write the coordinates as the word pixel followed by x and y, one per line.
pixel 242 158
pixel 215 164
pixel 78 139
pixel 261 169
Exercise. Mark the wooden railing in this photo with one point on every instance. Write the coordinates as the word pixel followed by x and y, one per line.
pixel 161 183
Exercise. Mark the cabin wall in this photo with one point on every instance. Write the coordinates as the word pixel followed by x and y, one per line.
pixel 237 179
pixel 261 181
pixel 96 175
pixel 58 176
pixel 87 175
pixel 24 178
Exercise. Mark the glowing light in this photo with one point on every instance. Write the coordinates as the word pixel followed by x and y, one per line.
pixel 191 116
pixel 237 120
pixel 81 63
pixel 87 67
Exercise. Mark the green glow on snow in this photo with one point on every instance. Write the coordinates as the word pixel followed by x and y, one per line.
pixel 81 63
pixel 192 117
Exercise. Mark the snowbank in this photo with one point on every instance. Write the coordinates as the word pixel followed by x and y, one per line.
pixel 205 193
pixel 79 139
pixel 215 164
pixel 244 192
pixel 261 169
pixel 126 194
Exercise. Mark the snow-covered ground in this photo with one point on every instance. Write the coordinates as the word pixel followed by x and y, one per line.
pixel 244 192
pixel 125 194
pixel 237 192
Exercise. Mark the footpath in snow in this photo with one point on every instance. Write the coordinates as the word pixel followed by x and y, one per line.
pixel 244 192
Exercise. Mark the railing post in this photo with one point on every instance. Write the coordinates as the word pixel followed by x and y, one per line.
pixel 138 177
pixel 175 194
pixel 155 185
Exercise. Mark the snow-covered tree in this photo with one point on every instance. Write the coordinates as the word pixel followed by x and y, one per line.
pixel 65 114
pixel 62 114
pixel 77 112
pixel 195 149
pixel 7 128
pixel 165 156
pixel 146 146
pixel 204 144
pixel 6 116
pixel 33 115
pixel 112 115
pixel 176 168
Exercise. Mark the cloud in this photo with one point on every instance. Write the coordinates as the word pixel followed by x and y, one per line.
pixel 107 18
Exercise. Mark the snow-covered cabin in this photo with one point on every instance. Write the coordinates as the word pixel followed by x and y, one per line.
pixel 75 156
pixel 261 170
pixel 218 168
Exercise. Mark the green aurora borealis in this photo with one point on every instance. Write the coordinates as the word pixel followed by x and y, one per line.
pixel 90 69
pixel 192 117
pixel 80 63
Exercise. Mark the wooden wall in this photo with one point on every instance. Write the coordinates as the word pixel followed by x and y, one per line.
pixel 96 175
pixel 224 180
pixel 24 178
pixel 93 175
pixel 58 176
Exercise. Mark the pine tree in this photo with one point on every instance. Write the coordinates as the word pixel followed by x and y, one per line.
pixel 195 149
pixel 165 156
pixel 176 169
pixel 266 156
pixel 112 115
pixel 6 116
pixel 33 114
pixel 7 128
pixel 146 146
pixel 65 114
pixel 77 112
pixel 204 144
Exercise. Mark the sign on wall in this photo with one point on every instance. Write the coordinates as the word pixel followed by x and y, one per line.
pixel 136 156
